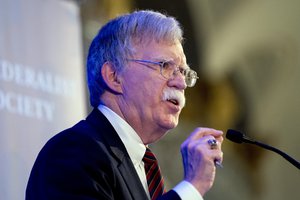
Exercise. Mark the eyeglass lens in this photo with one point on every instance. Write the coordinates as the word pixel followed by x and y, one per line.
pixel 168 70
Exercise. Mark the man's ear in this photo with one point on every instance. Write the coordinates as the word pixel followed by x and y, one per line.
pixel 110 77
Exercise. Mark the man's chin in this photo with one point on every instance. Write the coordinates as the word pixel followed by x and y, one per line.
pixel 170 125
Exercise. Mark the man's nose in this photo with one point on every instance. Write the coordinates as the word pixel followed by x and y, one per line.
pixel 178 81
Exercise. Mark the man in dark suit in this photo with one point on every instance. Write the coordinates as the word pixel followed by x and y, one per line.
pixel 137 74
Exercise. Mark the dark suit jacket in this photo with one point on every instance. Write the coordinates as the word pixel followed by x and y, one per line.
pixel 86 162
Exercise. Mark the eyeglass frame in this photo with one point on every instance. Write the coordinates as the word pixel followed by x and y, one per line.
pixel 183 72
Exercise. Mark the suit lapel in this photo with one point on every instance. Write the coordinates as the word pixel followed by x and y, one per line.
pixel 129 175
pixel 119 151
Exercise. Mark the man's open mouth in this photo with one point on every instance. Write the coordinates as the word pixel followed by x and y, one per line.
pixel 174 97
pixel 173 101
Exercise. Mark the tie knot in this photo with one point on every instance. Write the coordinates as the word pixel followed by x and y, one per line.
pixel 149 156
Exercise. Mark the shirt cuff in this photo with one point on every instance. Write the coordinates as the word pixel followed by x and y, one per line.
pixel 187 191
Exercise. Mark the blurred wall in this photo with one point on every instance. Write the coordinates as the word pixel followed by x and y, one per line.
pixel 253 46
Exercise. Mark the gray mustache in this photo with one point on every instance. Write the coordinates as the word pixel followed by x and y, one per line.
pixel 170 93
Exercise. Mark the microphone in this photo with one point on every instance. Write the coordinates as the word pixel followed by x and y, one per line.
pixel 238 137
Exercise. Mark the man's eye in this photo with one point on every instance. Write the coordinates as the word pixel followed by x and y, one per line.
pixel 182 71
pixel 166 65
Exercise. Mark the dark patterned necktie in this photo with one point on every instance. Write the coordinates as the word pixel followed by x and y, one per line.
pixel 154 178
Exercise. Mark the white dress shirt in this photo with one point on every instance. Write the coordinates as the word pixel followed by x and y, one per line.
pixel 136 150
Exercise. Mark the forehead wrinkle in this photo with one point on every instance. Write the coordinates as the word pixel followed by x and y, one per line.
pixel 176 53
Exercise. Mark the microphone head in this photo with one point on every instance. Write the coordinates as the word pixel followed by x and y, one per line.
pixel 235 136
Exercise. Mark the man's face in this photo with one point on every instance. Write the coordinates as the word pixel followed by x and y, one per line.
pixel 150 109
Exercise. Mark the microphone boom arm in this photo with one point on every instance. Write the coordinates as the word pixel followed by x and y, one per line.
pixel 239 137
pixel 284 155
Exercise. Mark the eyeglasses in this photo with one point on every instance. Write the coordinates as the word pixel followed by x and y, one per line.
pixel 169 69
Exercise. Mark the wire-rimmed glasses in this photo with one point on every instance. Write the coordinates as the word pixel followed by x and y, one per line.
pixel 169 69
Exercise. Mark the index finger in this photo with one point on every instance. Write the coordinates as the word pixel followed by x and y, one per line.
pixel 203 131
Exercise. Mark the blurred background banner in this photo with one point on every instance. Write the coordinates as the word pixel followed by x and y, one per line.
pixel 41 83
pixel 247 55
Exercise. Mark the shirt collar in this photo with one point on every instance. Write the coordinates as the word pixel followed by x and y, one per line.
pixel 131 140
